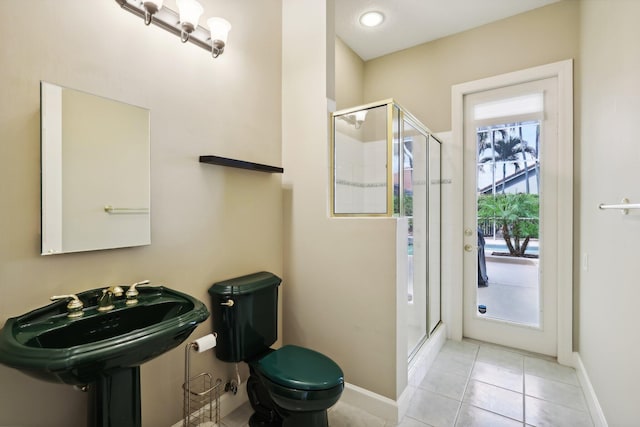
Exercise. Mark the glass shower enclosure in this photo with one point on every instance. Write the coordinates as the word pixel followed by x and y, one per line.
pixel 386 163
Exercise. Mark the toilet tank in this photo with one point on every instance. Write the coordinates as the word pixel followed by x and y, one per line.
pixel 245 315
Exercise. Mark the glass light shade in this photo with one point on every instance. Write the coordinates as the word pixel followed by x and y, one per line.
pixel 190 11
pixel 219 28
pixel 372 19
pixel 361 115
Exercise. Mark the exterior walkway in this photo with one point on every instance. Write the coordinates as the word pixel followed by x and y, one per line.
pixel 513 292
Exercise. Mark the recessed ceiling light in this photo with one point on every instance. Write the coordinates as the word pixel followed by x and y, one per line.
pixel 371 19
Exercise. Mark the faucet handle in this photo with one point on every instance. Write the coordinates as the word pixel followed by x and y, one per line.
pixel 115 290
pixel 74 307
pixel 132 293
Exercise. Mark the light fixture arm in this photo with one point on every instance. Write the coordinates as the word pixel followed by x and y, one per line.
pixel 147 17
pixel 169 20
pixel 150 7
pixel 187 29
pixel 217 47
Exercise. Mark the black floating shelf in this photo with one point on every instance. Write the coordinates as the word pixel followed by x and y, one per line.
pixel 240 164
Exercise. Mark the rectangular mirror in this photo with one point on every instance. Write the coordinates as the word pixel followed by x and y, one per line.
pixel 95 172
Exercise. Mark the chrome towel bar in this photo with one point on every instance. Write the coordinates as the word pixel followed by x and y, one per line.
pixel 624 206
pixel 111 210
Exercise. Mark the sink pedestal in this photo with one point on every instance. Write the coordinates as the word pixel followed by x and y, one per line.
pixel 115 399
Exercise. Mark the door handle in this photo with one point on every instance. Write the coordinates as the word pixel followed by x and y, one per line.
pixel 469 248
pixel 468 232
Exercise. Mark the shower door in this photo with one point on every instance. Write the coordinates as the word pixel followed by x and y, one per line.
pixel 421 204
pixel 434 183
pixel 414 205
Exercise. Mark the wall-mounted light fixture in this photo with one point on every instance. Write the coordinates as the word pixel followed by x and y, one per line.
pixel 183 23
pixel 355 119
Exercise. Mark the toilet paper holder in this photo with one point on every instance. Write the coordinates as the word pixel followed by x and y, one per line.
pixel 201 405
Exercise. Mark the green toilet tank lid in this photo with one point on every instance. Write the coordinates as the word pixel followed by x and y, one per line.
pixel 301 368
pixel 245 284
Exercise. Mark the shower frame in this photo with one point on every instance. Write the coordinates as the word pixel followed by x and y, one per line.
pixel 394 136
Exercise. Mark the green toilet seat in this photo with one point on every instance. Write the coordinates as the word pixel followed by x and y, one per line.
pixel 301 369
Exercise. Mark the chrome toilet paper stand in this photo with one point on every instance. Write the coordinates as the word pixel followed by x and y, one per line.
pixel 201 405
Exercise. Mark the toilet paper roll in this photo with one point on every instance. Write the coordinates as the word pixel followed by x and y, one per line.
pixel 205 343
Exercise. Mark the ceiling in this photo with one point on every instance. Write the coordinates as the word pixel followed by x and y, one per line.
pixel 412 22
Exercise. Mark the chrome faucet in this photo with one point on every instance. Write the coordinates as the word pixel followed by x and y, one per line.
pixel 105 303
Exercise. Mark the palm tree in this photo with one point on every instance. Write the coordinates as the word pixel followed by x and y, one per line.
pixel 506 149
pixel 524 160
pixel 517 215
pixel 486 143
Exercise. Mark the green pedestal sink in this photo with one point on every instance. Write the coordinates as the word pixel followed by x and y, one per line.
pixel 101 350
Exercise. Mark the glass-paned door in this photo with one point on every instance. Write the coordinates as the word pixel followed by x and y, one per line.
pixel 510 216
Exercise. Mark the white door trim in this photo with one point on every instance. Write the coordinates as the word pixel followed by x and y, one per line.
pixel 452 276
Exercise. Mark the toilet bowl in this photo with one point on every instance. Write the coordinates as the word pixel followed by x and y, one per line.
pixel 290 386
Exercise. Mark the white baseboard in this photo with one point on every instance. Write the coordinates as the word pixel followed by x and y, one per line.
pixel 589 393
pixel 427 354
pixel 390 410
pixel 420 365
pixel 371 402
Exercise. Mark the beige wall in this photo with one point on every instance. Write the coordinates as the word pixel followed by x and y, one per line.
pixel 609 289
pixel 420 78
pixel 349 80
pixel 208 223
pixel 339 292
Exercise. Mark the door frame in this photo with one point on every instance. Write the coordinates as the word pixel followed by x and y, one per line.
pixel 453 207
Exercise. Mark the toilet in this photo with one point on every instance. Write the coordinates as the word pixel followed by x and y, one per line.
pixel 292 386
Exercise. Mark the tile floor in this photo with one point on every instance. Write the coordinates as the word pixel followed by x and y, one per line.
pixel 477 384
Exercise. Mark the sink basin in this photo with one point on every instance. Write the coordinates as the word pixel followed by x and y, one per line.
pixel 48 345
